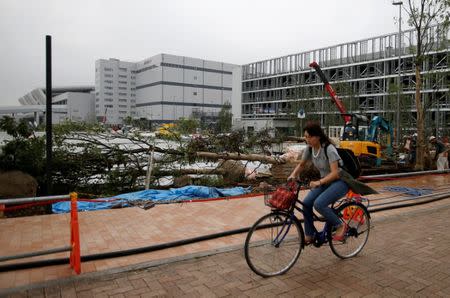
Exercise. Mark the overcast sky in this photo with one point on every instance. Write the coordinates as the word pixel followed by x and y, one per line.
pixel 232 31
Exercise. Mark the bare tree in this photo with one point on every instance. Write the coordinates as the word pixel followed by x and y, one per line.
pixel 423 17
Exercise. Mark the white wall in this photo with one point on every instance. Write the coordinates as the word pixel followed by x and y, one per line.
pixel 236 96
pixel 179 79
pixel 79 107
pixel 181 84
pixel 115 84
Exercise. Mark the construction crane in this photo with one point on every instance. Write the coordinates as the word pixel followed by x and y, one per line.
pixel 367 150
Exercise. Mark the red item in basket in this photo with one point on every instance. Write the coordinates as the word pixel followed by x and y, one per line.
pixel 283 197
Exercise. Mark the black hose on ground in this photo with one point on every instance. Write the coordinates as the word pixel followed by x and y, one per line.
pixel 115 254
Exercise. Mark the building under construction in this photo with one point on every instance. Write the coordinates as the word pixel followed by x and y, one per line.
pixel 365 75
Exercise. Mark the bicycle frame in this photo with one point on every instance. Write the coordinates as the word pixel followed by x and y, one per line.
pixel 276 249
pixel 320 237
pixel 286 225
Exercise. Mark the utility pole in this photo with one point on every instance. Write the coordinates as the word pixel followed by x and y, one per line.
pixel 397 126
pixel 48 112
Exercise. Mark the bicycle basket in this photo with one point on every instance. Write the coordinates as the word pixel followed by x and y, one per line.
pixel 283 197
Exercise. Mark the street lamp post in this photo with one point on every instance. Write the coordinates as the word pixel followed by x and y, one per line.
pixel 397 135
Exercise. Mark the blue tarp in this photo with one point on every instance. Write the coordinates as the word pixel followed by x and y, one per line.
pixel 163 196
pixel 410 190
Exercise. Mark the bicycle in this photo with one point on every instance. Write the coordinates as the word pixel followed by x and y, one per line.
pixel 275 241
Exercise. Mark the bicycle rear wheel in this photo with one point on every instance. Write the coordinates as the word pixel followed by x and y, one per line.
pixel 273 244
pixel 356 216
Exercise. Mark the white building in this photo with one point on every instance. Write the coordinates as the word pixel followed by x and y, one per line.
pixel 236 98
pixel 34 97
pixel 170 87
pixel 79 107
pixel 74 103
pixel 115 90
pixel 162 88
pixel 38 97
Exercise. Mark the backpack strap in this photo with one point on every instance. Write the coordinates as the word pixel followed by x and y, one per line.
pixel 341 163
pixel 326 153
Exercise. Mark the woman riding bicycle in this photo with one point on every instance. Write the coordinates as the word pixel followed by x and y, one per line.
pixel 275 241
pixel 329 188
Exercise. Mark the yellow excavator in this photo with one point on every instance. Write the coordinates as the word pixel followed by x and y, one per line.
pixel 167 130
pixel 366 149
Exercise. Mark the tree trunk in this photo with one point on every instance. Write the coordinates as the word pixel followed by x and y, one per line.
pixel 237 156
pixel 421 145
pixel 190 171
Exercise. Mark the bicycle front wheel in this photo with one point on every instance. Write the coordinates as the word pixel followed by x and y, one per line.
pixel 357 218
pixel 273 244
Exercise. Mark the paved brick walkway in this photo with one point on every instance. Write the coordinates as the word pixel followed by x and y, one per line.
pixel 120 229
pixel 407 255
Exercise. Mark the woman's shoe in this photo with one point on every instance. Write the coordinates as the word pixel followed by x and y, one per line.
pixel 340 236
pixel 309 240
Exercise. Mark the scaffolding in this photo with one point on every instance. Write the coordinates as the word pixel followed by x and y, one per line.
pixel 364 74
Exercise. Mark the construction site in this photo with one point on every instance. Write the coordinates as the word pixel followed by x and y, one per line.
pixel 365 75
pixel 256 206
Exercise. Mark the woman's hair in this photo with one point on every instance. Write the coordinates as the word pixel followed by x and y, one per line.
pixel 313 128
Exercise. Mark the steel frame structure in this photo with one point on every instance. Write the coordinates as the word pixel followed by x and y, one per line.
pixel 364 73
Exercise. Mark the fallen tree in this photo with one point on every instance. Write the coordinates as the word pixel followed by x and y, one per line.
pixel 92 159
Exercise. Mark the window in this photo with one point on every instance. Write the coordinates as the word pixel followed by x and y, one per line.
pixel 108 81
pixel 108 69
pixel 122 76
pixel 108 106
pixel 122 100
pixel 122 82
pixel 122 69
pixel 122 88
pixel 109 87
pixel 123 106
pixel 108 93
pixel 195 77
pixel 133 83
pixel 108 76
pixel 194 93
pixel 122 94
pixel 109 99
pixel 122 112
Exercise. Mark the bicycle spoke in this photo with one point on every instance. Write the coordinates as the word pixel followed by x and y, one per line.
pixel 273 245
pixel 359 226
